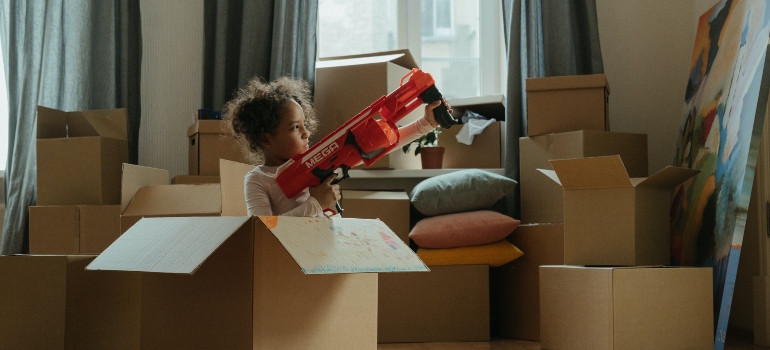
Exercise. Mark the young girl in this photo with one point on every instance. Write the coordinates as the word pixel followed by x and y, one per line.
pixel 276 119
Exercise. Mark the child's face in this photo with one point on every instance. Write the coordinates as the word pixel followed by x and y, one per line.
pixel 289 139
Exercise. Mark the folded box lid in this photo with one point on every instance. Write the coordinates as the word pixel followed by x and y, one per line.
pixel 609 172
pixel 318 245
pixel 591 172
pixel 401 57
pixel 135 177
pixel 231 176
pixel 110 123
pixel 568 82
pixel 177 245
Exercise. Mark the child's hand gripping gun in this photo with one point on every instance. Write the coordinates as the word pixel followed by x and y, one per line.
pixel 367 137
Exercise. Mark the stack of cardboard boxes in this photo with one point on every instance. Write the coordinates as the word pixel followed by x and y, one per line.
pixel 178 277
pixel 595 234
pixel 451 303
pixel 209 141
pixel 50 301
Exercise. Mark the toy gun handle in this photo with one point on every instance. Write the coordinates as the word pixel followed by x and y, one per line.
pixel 443 117
pixel 338 207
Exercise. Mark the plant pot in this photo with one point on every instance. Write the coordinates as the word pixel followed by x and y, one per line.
pixel 432 157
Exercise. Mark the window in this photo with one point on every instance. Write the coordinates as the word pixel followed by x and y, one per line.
pixel 459 42
pixel 349 27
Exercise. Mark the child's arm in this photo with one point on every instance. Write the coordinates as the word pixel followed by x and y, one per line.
pixel 419 127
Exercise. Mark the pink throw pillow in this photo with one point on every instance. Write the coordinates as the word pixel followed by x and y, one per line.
pixel 462 229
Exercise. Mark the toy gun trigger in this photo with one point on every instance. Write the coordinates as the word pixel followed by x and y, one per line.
pixel 345 174
pixel 443 117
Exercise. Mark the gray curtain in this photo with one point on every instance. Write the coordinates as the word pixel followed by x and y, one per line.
pixel 543 38
pixel 246 38
pixel 82 55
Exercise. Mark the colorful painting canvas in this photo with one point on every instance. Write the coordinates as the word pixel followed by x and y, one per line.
pixel 724 109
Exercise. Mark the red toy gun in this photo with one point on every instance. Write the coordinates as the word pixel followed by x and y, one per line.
pixel 367 137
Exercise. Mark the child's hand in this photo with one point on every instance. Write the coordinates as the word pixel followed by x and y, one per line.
pixel 429 111
pixel 326 194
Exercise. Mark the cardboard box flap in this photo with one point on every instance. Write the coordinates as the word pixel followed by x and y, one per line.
pixel 105 123
pixel 401 57
pixel 231 177
pixel 667 178
pixel 110 123
pixel 136 177
pixel 336 245
pixel 591 172
pixel 176 200
pixel 489 106
pixel 51 123
pixel 568 82
pixel 208 127
pixel 167 245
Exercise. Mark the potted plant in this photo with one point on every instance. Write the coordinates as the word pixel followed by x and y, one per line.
pixel 431 154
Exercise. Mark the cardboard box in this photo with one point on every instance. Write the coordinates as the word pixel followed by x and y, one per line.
pixel 486 150
pixel 514 287
pixel 194 179
pixel 345 86
pixel 79 155
pixel 541 198
pixel 567 103
pixel 73 229
pixel 626 308
pixel 233 282
pixel 147 193
pixel 390 207
pixel 209 142
pixel 448 304
pixel 51 302
pixel 611 219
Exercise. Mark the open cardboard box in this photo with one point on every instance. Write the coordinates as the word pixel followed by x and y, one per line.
pixel 346 85
pixel 241 282
pixel 542 199
pixel 612 219
pixel 79 156
pixel 485 151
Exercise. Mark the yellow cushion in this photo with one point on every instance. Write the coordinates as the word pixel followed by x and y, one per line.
pixel 493 254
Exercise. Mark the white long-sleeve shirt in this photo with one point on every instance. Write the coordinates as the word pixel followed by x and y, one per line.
pixel 264 197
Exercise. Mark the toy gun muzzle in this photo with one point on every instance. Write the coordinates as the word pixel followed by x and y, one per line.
pixel 443 117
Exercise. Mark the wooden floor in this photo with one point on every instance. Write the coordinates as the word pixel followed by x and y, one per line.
pixel 736 343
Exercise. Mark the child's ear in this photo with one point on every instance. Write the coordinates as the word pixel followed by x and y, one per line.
pixel 265 143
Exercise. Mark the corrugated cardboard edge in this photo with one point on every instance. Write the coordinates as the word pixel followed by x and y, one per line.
pixel 135 177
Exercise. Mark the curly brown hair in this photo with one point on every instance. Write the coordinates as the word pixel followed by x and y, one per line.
pixel 255 111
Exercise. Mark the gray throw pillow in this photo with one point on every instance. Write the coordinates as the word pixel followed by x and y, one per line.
pixel 460 191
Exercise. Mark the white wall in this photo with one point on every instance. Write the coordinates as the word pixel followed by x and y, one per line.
pixel 172 58
pixel 647 48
